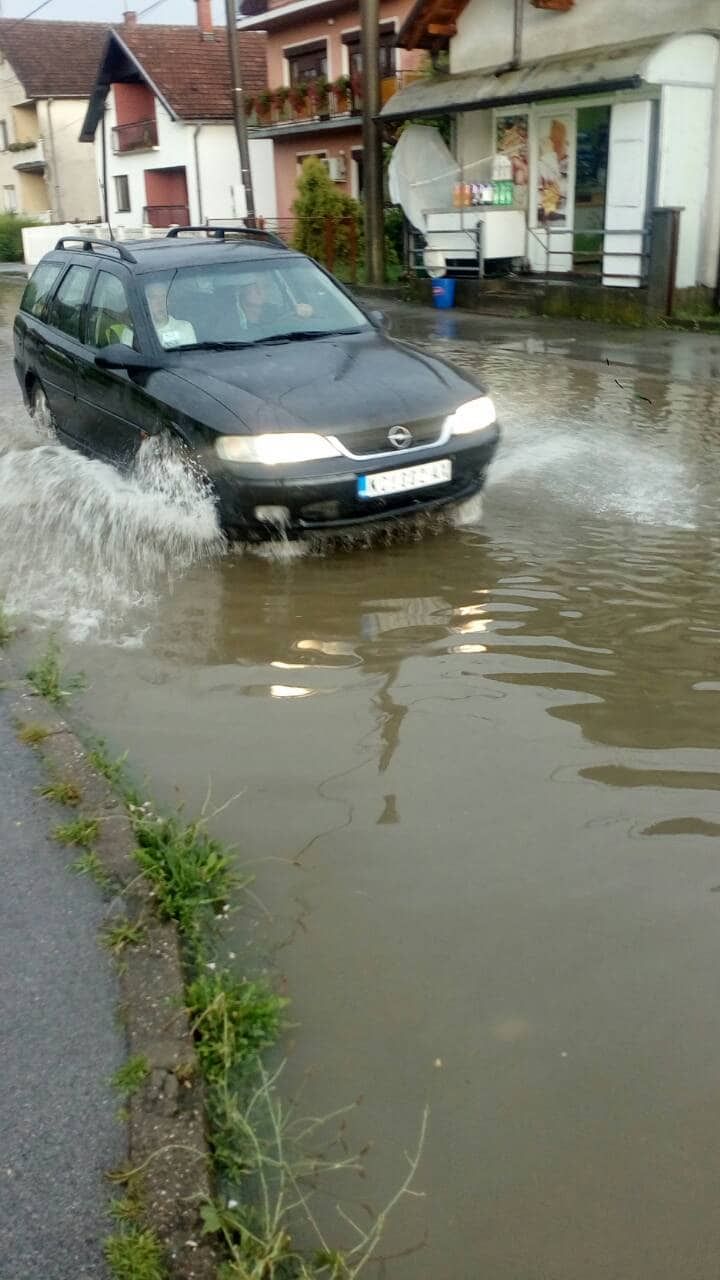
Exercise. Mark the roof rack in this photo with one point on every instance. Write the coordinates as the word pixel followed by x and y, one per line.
pixel 219 233
pixel 91 245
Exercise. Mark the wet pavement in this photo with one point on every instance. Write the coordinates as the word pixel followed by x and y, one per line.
pixel 60 1041
pixel 476 778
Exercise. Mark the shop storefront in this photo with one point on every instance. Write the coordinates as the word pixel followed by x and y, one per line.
pixel 592 143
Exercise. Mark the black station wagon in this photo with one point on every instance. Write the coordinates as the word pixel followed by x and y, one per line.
pixel 301 411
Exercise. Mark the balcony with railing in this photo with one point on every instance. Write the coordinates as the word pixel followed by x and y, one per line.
pixel 166 215
pixel 315 102
pixel 141 135
pixel 28 156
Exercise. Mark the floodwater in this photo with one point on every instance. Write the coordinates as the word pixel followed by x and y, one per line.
pixel 477 777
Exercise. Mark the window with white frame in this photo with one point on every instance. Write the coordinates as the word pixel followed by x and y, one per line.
pixel 302 156
pixel 3 135
pixel 10 203
pixel 122 193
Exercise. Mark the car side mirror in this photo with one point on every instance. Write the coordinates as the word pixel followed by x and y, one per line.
pixel 378 318
pixel 118 356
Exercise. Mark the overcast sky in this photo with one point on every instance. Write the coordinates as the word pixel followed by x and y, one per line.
pixel 109 10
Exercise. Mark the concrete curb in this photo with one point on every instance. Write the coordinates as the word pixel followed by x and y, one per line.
pixel 167 1140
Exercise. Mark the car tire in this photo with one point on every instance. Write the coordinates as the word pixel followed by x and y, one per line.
pixel 40 411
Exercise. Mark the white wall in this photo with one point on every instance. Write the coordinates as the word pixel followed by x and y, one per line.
pixel 485 28
pixel 174 150
pixel 685 122
pixel 70 163
pixel 222 194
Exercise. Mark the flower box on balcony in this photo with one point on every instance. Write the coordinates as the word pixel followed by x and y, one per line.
pixel 559 6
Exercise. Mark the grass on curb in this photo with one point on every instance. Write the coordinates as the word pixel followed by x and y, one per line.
pixel 81 833
pixel 89 864
pixel 112 770
pixel 47 676
pixel 259 1146
pixel 32 733
pixel 190 872
pixel 131 1075
pixel 5 628
pixel 124 933
pixel 63 792
pixel 135 1254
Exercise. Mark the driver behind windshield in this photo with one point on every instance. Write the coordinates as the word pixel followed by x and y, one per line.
pixel 257 308
pixel 170 331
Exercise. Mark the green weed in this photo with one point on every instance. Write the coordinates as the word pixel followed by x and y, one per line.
pixel 63 791
pixel 130 1209
pixel 131 1075
pixel 233 1021
pixel 82 832
pixel 135 1254
pixel 48 679
pixel 33 733
pixel 124 933
pixel 5 628
pixel 112 770
pixel 89 864
pixel 190 872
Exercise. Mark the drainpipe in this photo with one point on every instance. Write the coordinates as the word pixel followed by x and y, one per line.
pixel 517 34
pixel 198 182
pixel 106 199
pixel 58 210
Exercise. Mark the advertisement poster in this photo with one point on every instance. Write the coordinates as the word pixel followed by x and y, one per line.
pixel 511 140
pixel 553 168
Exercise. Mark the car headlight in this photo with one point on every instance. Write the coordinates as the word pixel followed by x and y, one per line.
pixel 476 415
pixel 273 450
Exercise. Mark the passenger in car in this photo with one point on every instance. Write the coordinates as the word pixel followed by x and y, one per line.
pixel 170 331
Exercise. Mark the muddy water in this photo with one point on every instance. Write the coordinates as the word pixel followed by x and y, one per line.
pixel 477 778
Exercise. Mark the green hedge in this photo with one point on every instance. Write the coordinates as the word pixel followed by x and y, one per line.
pixel 11 249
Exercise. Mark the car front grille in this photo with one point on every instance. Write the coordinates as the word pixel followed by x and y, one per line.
pixel 367 441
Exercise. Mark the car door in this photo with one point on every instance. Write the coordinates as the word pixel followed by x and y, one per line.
pixel 59 346
pixel 115 411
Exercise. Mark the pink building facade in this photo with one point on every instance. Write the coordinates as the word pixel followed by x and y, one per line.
pixel 314 102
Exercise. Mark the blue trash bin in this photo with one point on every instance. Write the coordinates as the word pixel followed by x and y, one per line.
pixel 443 292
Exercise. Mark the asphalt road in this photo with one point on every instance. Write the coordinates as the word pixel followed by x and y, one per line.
pixel 59 1042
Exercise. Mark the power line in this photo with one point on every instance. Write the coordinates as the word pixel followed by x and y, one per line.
pixel 25 16
pixel 142 12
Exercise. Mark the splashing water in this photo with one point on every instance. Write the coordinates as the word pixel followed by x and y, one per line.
pixel 86 548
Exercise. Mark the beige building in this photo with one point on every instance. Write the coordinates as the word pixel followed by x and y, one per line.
pixel 47 70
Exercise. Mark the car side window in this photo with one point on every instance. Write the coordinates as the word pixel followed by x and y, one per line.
pixel 39 287
pixel 66 309
pixel 109 319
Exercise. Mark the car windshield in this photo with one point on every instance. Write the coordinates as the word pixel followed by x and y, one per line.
pixel 248 302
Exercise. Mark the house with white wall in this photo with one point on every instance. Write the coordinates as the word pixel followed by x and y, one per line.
pixel 161 118
pixel 605 111
pixel 47 72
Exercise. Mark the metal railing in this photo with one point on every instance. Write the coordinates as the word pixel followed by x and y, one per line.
pixel 166 215
pixel 578 259
pixel 141 135
pixel 461 250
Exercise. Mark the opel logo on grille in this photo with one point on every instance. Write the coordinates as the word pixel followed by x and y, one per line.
pixel 400 437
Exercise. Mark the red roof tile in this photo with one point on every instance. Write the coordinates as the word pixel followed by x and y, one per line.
pixel 191 71
pixel 54 59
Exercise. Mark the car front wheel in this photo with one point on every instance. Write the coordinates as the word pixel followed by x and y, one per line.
pixel 40 411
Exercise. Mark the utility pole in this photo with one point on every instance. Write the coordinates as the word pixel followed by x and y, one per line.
pixel 372 148
pixel 239 110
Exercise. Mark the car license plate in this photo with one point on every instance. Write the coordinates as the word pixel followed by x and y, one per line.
pixel 404 479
